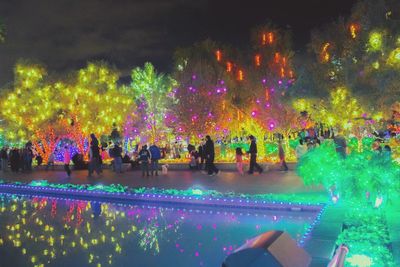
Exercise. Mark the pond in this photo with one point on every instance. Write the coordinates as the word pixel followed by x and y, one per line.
pixel 45 231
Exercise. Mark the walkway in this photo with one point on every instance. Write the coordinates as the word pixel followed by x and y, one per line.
pixel 271 181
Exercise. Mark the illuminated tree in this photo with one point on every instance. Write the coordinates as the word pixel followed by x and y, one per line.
pixel 30 105
pixel 151 95
pixel 361 53
pixel 95 101
pixel 341 110
pixel 200 98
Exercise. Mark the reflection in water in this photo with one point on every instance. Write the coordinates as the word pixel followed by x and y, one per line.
pixel 54 232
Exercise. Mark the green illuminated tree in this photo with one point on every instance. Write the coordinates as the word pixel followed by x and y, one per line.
pixel 361 53
pixel 151 91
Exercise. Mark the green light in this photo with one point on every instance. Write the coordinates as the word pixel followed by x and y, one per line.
pixel 394 58
pixel 197 192
pixel 360 261
pixel 375 41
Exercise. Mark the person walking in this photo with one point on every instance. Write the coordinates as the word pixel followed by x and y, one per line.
pixel 253 156
pixel 155 156
pixel 281 153
pixel 210 155
pixel 67 160
pixel 144 158
pixel 239 160
pixel 117 155
pixel 94 156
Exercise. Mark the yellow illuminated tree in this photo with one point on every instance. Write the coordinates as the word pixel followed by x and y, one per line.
pixel 95 100
pixel 341 110
pixel 30 105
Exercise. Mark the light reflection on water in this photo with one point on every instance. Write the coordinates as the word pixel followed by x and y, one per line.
pixel 43 231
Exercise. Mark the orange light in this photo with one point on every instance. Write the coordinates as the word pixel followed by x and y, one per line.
pixel 264 39
pixel 284 61
pixel 266 94
pixel 353 30
pixel 240 75
pixel 277 57
pixel 270 37
pixel 228 66
pixel 218 55
pixel 291 75
pixel 257 60
pixel 282 72
pixel 324 54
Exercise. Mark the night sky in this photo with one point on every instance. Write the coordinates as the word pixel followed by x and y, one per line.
pixel 65 34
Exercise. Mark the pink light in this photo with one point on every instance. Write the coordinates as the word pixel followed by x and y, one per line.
pixel 271 126
pixel 280 82
pixel 253 113
pixel 264 81
pixel 194 77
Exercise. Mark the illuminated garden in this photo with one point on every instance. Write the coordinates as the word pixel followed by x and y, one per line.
pixel 331 113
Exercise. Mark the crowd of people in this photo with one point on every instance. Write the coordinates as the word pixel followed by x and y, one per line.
pixel 201 158
pixel 17 159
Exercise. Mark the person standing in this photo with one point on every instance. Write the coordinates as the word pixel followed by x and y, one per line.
pixel 253 156
pixel 281 153
pixel 201 154
pixel 50 161
pixel 14 160
pixel 239 160
pixel 67 160
pixel 4 159
pixel 301 149
pixel 155 156
pixel 210 155
pixel 144 158
pixel 117 155
pixel 341 145
pixel 94 156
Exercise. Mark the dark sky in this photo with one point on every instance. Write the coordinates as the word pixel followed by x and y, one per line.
pixel 65 34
